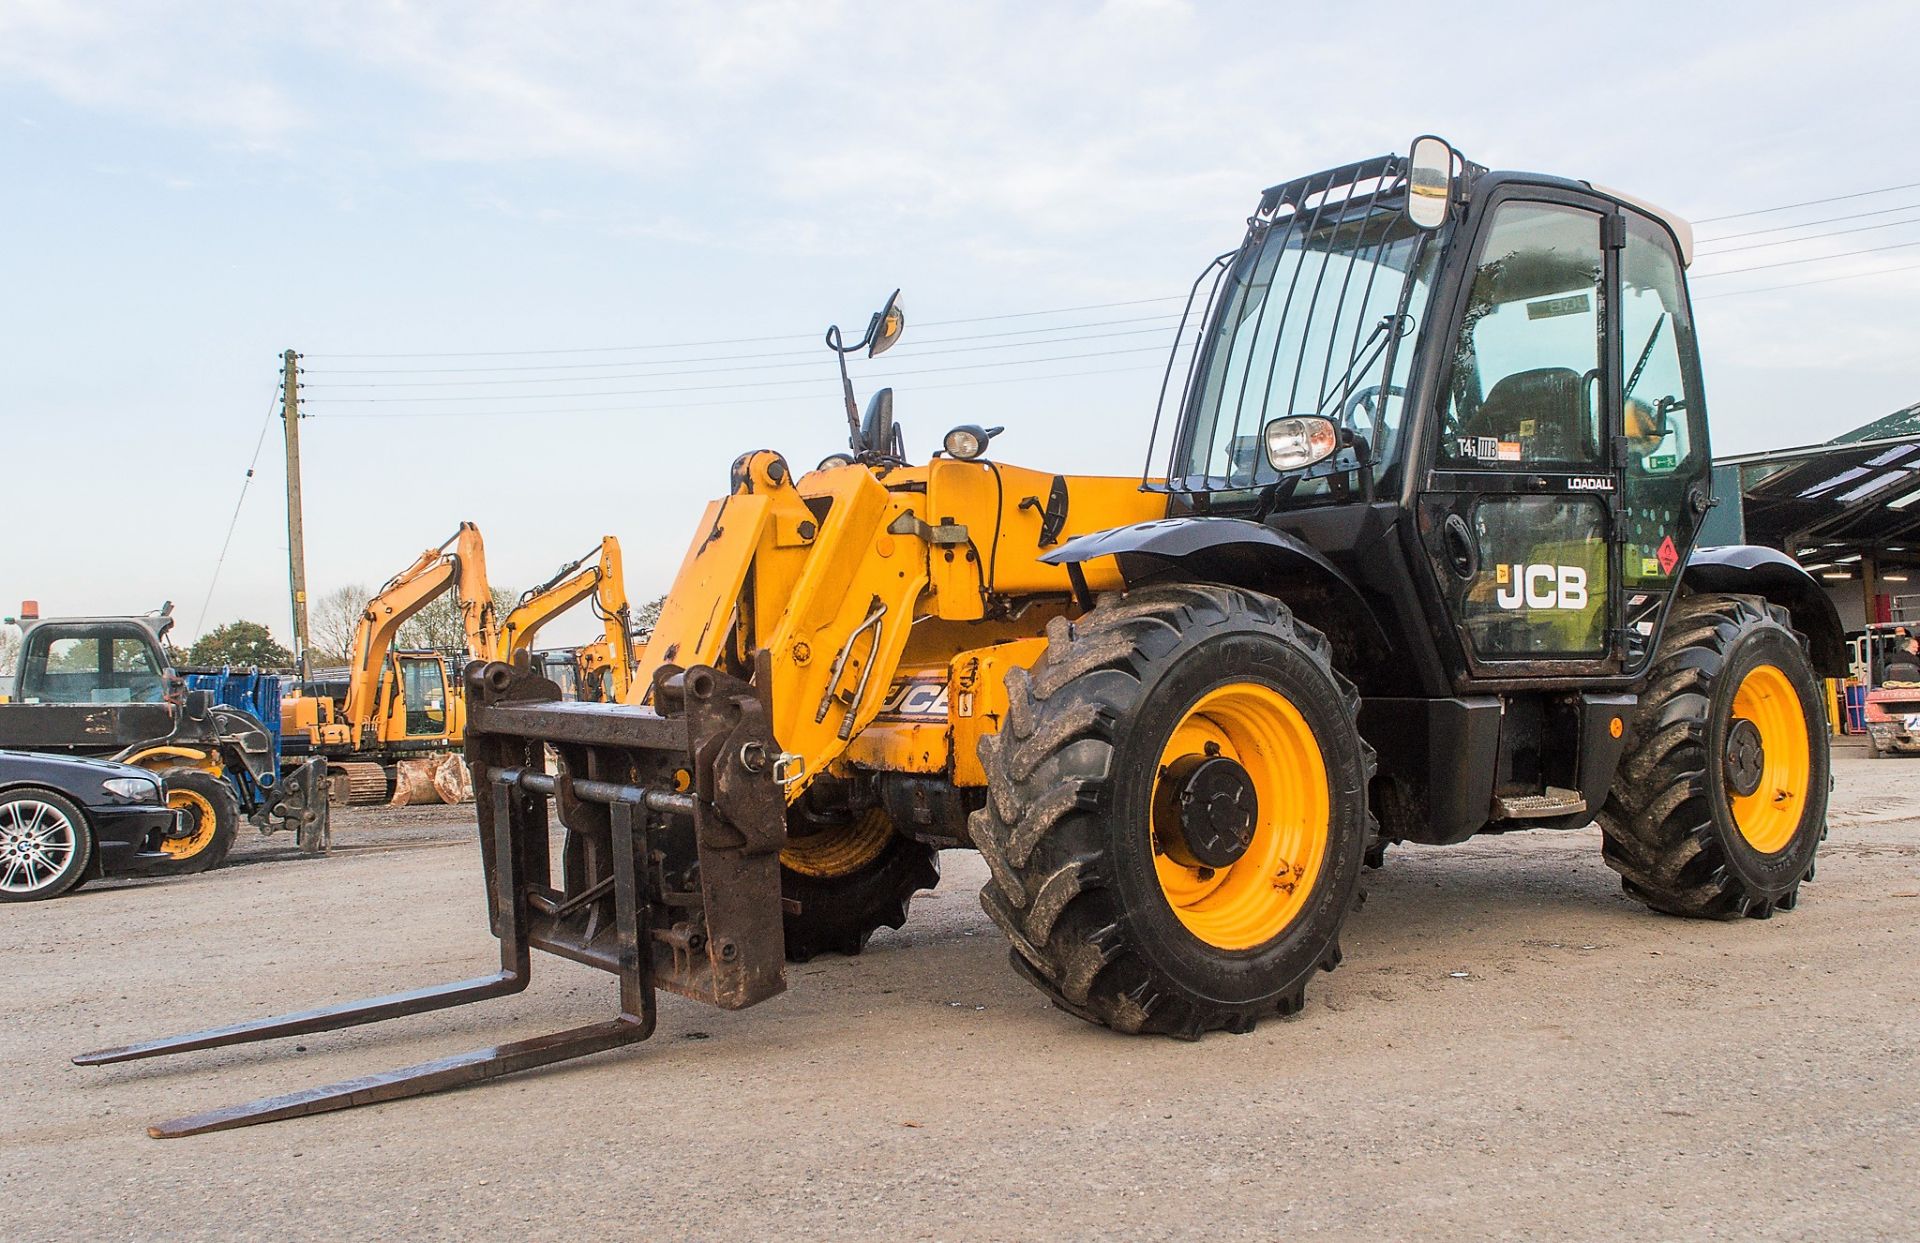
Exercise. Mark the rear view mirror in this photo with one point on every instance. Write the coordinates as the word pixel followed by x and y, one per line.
pixel 888 323
pixel 1429 182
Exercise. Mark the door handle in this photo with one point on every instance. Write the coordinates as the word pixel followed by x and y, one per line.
pixel 1463 556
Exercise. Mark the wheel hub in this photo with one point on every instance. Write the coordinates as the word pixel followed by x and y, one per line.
pixel 1208 810
pixel 1746 759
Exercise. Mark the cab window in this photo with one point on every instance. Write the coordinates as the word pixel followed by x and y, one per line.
pixel 1527 364
pixel 1662 414
pixel 424 684
pixel 91 668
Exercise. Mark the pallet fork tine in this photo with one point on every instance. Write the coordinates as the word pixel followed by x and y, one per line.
pixel 636 1021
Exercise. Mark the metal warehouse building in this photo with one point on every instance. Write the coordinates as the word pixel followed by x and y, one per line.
pixel 1848 510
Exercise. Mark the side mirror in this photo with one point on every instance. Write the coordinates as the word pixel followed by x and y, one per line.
pixel 888 323
pixel 1300 440
pixel 198 705
pixel 1429 181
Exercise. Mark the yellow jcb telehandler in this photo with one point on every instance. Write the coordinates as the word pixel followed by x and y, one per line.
pixel 1416 557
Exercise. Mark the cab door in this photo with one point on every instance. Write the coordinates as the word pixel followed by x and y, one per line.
pixel 417 707
pixel 1520 506
pixel 1666 467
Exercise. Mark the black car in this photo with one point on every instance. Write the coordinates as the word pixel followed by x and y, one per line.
pixel 64 821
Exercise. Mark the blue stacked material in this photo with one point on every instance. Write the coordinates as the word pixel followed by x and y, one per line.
pixel 257 695
pixel 1856 708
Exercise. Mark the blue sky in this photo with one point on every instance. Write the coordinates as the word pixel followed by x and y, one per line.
pixel 189 189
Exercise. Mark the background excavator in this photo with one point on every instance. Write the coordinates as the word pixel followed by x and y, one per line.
pixel 1416 557
pixel 395 705
pixel 597 576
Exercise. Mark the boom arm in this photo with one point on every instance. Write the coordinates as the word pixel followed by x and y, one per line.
pixel 603 580
pixel 465 568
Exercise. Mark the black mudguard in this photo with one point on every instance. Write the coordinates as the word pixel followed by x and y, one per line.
pixel 1230 551
pixel 1750 569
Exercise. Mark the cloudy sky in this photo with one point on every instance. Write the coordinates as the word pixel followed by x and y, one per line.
pixel 553 266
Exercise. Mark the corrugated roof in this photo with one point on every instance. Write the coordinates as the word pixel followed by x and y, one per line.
pixel 1899 423
pixel 1856 489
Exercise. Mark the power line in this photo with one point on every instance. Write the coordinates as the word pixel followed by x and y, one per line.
pixel 1787 263
pixel 1837 198
pixel 814 352
pixel 701 388
pixel 199 627
pixel 1811 237
pixel 813 363
pixel 1824 280
pixel 804 336
pixel 1808 224
pixel 788 399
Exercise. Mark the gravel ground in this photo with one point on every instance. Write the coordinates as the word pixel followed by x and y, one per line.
pixel 1512 1049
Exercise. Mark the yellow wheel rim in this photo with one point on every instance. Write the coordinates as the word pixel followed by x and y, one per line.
pixel 841 850
pixel 1769 815
pixel 204 823
pixel 1254 899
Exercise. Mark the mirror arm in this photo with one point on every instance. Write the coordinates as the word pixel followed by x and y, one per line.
pixel 846 388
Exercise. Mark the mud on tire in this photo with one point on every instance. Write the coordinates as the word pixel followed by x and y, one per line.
pixel 851 877
pixel 1067 832
pixel 1668 823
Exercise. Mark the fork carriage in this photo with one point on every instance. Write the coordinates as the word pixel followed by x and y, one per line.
pixel 667 878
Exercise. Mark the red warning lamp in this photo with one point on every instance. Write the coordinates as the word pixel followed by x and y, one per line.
pixel 29 610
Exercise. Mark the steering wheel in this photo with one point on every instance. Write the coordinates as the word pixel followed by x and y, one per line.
pixel 1368 399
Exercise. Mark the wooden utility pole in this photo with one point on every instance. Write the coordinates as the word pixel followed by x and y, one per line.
pixel 296 538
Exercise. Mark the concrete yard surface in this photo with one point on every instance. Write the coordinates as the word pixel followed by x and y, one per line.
pixel 1513 1049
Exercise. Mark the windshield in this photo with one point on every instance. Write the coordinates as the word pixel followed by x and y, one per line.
pixel 111 664
pixel 1310 318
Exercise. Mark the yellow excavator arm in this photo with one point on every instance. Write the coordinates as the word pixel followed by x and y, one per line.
pixel 604 581
pixel 460 563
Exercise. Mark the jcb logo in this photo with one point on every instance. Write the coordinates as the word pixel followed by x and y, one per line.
pixel 916 699
pixel 1541 586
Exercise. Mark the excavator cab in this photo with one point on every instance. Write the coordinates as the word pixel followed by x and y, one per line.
pixel 420 705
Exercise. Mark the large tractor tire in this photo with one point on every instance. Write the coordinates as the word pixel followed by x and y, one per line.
pixel 1721 800
pixel 845 877
pixel 1177 812
pixel 207 831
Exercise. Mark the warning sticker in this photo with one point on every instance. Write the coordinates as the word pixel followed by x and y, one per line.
pixel 1549 308
pixel 1507 450
pixel 1668 555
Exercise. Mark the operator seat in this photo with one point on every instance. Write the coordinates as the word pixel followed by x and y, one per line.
pixel 1554 401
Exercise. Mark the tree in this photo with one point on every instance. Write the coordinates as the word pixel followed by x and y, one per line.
pixel 9 649
pixel 440 627
pixel 647 616
pixel 334 618
pixel 241 644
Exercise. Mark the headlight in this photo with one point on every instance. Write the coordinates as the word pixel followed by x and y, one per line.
pixel 134 789
pixel 1300 441
pixel 965 443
